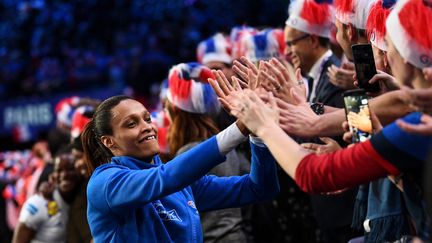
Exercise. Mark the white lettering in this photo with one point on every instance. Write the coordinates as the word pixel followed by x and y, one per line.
pixel 30 115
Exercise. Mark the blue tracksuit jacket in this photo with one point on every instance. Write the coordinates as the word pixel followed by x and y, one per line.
pixel 133 201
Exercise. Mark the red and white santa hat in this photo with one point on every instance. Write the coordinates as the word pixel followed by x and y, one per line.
pixel 375 24
pixel 263 45
pixel 409 28
pixel 353 12
pixel 214 49
pixel 312 17
pixel 189 89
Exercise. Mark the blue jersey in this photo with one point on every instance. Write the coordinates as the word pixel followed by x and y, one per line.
pixel 133 201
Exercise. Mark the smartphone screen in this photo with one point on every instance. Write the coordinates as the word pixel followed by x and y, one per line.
pixel 358 114
pixel 365 66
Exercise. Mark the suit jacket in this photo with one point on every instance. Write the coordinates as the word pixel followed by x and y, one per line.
pixel 332 211
pixel 326 92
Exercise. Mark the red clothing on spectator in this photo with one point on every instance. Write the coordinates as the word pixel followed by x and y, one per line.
pixel 388 152
pixel 342 169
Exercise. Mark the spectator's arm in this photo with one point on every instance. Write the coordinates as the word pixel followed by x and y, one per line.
pixel 23 234
pixel 388 107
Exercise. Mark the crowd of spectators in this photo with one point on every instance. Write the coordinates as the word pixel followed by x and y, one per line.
pixel 48 46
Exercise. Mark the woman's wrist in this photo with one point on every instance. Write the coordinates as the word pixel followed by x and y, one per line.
pixel 243 129
pixel 229 138
pixel 265 131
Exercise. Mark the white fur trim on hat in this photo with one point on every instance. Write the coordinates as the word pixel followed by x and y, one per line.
pixel 359 17
pixel 216 57
pixel 362 9
pixel 219 52
pixel 297 22
pixel 408 48
pixel 300 24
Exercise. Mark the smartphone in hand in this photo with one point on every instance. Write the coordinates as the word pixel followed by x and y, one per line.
pixel 358 114
pixel 365 67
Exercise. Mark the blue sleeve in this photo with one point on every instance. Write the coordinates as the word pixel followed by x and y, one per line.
pixel 212 192
pixel 117 188
pixel 404 150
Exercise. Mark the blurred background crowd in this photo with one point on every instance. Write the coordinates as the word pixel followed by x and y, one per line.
pixel 52 46
pixel 59 59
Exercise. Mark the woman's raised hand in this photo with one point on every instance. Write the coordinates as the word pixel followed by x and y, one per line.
pixel 248 107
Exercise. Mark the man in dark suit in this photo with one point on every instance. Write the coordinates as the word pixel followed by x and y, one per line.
pixel 308 47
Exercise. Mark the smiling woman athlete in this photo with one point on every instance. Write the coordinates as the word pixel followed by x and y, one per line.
pixel 133 197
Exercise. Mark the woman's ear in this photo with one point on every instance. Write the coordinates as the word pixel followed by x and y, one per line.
pixel 108 141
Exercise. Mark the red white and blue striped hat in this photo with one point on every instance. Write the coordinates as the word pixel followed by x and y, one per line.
pixel 65 108
pixel 189 89
pixel 80 118
pixel 263 45
pixel 409 28
pixel 214 49
pixel 312 17
pixel 353 12
pixel 236 35
pixel 375 24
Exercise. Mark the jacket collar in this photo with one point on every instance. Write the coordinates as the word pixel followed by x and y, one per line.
pixel 134 163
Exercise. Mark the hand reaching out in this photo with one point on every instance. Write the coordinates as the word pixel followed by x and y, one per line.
pixel 422 99
pixel 342 77
pixel 283 81
pixel 245 69
pixel 417 99
pixel 296 119
pixel 348 135
pixel 223 88
pixel 423 128
pixel 329 146
pixel 252 111
pixel 360 121
pixel 386 81
pixel 251 76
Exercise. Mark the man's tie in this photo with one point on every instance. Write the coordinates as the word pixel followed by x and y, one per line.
pixel 310 81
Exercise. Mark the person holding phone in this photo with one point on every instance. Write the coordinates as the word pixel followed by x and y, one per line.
pixel 307 37
pixel 350 24
pixel 133 197
pixel 389 152
pixel 365 67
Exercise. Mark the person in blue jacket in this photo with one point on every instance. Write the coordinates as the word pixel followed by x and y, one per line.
pixel 133 197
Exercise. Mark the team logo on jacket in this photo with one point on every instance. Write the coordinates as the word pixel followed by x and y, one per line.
pixel 192 205
pixel 166 215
